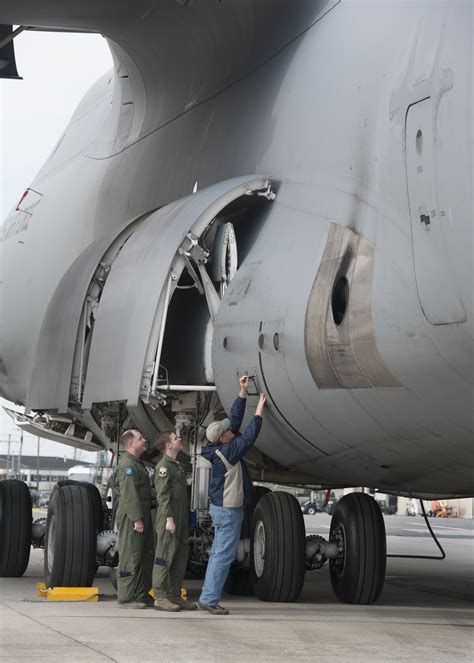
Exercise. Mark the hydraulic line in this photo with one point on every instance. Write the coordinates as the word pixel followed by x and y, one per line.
pixel 326 499
pixel 433 535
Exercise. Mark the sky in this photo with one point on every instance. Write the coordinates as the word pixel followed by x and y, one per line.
pixel 57 70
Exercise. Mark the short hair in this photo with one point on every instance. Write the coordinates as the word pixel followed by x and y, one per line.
pixel 162 439
pixel 128 436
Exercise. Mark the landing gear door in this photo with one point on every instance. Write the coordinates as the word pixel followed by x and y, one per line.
pixel 128 335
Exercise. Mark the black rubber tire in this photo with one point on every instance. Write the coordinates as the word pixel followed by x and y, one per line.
pixel 65 482
pixel 259 492
pixel 97 501
pixel 15 528
pixel 285 546
pixel 239 582
pixel 311 511
pixel 358 574
pixel 96 498
pixel 71 536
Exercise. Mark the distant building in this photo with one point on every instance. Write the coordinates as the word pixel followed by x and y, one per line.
pixel 51 469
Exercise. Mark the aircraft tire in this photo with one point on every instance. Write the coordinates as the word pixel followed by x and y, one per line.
pixel 278 547
pixel 97 501
pixel 65 482
pixel 259 492
pixel 239 582
pixel 357 526
pixel 15 528
pixel 71 538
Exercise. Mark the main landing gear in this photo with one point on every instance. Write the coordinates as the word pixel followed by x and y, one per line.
pixel 72 535
pixel 273 555
pixel 280 553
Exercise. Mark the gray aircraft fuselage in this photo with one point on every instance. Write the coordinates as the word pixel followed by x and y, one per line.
pixel 353 299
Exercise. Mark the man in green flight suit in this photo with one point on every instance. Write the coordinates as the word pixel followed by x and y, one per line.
pixel 133 492
pixel 171 525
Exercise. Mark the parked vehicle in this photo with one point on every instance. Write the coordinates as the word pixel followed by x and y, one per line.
pixel 310 508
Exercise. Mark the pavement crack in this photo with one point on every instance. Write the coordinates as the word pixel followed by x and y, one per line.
pixel 68 637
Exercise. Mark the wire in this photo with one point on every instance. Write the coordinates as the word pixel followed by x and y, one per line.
pixel 433 535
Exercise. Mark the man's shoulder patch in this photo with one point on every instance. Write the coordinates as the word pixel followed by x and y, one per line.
pixel 129 470
pixel 163 471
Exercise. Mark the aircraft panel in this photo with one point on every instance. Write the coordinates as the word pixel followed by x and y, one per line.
pixel 51 375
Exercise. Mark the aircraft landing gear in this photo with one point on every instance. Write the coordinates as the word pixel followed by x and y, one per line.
pixel 15 528
pixel 71 537
pixel 278 548
pixel 358 530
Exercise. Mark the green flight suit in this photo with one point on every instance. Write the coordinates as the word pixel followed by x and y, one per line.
pixel 133 492
pixel 171 555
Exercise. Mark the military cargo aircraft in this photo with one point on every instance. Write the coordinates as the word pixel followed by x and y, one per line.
pixel 276 188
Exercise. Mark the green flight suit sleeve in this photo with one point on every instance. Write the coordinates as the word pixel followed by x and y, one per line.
pixel 129 497
pixel 163 491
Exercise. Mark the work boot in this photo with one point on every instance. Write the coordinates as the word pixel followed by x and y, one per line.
pixel 213 609
pixel 166 605
pixel 135 605
pixel 185 605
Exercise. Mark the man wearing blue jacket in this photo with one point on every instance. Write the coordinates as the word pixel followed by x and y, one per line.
pixel 230 489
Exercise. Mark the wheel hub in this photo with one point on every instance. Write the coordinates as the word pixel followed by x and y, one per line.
pixel 50 549
pixel 259 549
pixel 338 536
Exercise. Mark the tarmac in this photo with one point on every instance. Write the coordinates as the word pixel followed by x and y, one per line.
pixel 425 613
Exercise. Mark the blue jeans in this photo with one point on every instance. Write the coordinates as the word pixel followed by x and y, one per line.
pixel 227 522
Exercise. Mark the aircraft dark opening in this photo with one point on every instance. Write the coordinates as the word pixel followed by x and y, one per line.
pixel 261 341
pixel 419 141
pixel 340 297
pixel 228 238
pixel 276 341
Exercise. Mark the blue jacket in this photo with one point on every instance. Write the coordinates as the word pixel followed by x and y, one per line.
pixel 233 452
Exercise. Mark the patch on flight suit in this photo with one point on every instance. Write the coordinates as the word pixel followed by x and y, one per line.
pixel 129 470
pixel 159 561
pixel 163 472
pixel 125 574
